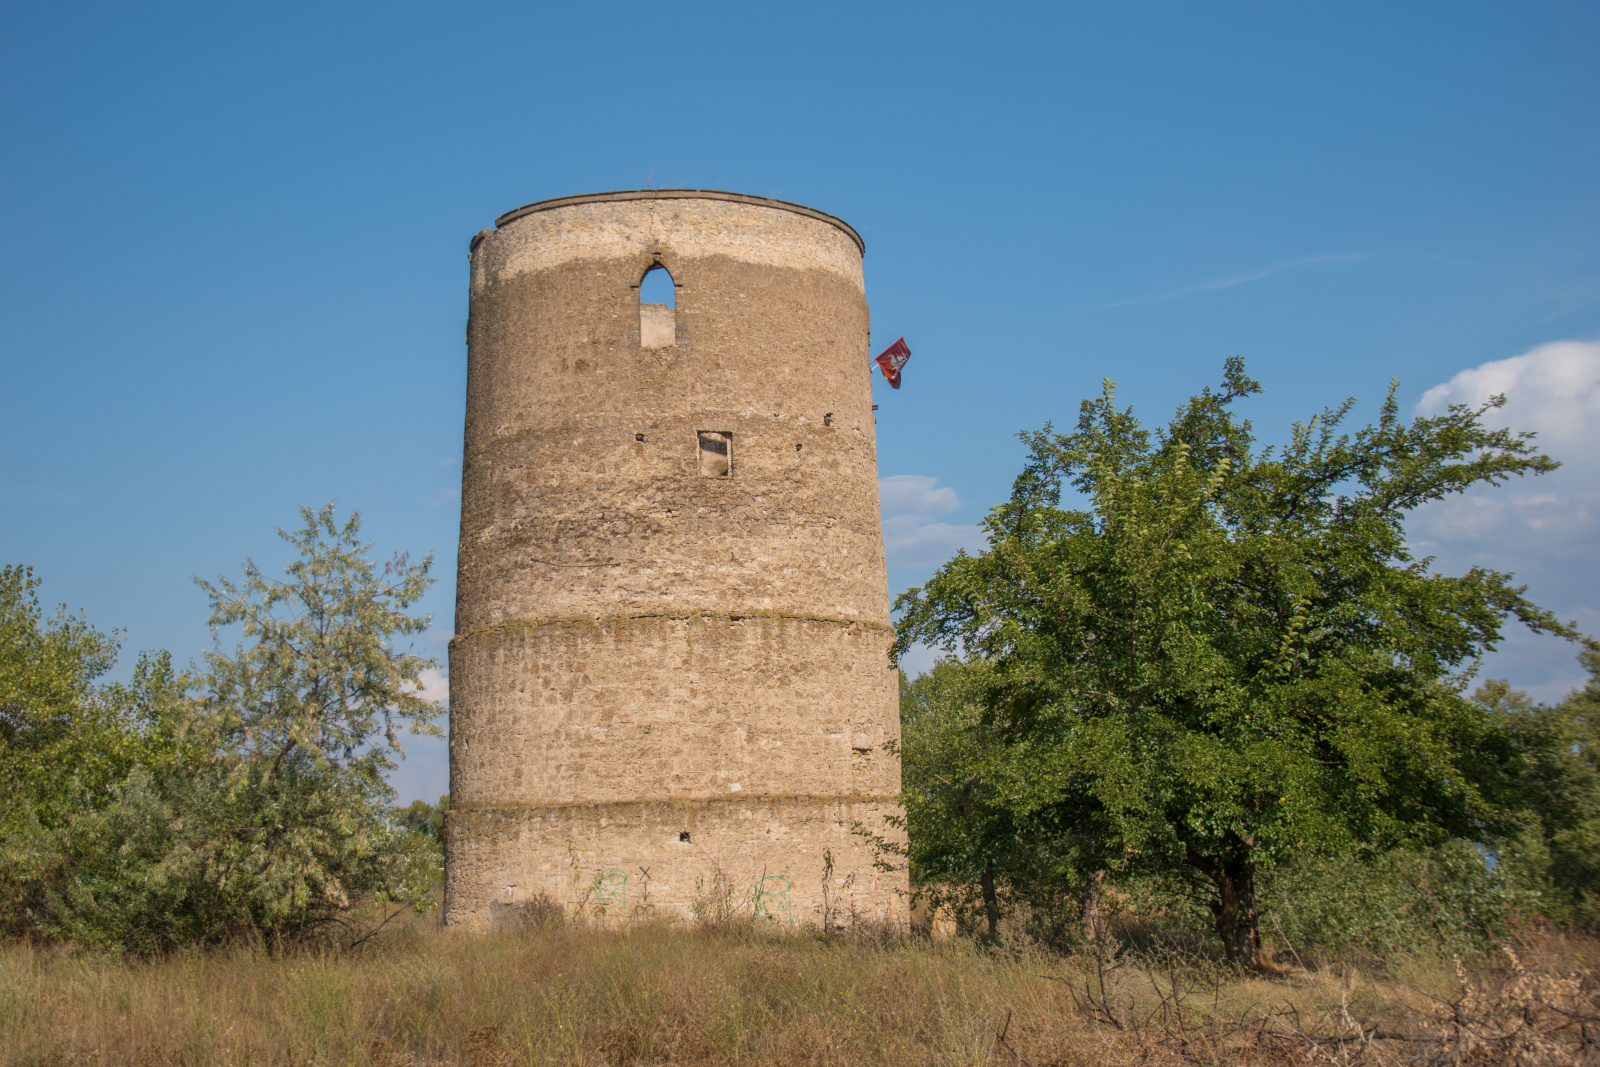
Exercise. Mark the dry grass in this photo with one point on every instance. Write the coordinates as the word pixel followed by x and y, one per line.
pixel 652 994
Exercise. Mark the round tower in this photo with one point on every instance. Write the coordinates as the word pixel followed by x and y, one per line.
pixel 670 686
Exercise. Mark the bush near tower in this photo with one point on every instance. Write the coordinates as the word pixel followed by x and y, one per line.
pixel 245 802
pixel 1226 658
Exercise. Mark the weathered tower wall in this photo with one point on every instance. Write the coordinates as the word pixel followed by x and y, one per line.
pixel 670 687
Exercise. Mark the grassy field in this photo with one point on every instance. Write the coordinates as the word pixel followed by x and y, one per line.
pixel 565 994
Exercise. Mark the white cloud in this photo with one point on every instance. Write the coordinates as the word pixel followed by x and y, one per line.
pixel 903 494
pixel 1545 530
pixel 1554 389
pixel 912 538
pixel 909 541
pixel 435 686
pixel 424 774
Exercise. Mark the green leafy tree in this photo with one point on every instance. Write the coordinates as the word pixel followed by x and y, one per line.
pixel 420 817
pixel 971 851
pixel 961 837
pixel 63 730
pixel 1403 900
pixel 321 682
pixel 1227 655
pixel 68 738
pixel 306 717
pixel 257 808
pixel 1556 850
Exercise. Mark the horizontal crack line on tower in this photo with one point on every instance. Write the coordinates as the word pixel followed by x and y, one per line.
pixel 527 625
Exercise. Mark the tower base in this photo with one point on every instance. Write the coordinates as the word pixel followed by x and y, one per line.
pixel 786 860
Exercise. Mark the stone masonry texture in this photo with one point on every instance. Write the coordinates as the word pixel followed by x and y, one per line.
pixel 670 687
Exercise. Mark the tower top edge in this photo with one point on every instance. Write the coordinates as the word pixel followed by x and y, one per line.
pixel 682 194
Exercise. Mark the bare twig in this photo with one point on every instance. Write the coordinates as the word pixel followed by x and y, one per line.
pixel 374 930
pixel 1000 1036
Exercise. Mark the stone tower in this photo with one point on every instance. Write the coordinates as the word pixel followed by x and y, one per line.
pixel 669 685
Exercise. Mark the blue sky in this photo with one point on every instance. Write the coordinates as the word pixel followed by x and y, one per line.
pixel 233 247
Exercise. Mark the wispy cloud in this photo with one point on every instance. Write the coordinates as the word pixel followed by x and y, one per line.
pixel 1574 297
pixel 1233 280
pixel 445 497
pixel 915 494
pixel 912 538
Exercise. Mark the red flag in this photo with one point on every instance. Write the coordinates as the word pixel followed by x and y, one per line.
pixel 891 359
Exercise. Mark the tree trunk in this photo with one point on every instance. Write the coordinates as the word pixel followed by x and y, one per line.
pixel 991 903
pixel 1091 907
pixel 1238 922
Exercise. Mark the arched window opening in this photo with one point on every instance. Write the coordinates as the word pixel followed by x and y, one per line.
pixel 658 326
pixel 657 287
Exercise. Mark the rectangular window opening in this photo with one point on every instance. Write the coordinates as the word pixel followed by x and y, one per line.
pixel 716 454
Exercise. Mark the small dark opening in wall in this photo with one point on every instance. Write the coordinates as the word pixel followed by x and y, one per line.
pixel 798 447
pixel 827 420
pixel 656 287
pixel 683 835
pixel 638 437
pixel 716 454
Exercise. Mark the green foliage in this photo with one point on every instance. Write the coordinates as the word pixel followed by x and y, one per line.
pixel 960 828
pixel 1228 658
pixel 1428 902
pixel 420 817
pixel 227 853
pixel 1404 900
pixel 67 739
pixel 266 813
pixel 971 851
pixel 321 685
pixel 1555 852
pixel 63 732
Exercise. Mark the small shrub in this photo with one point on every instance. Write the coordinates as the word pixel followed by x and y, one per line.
pixel 1443 899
